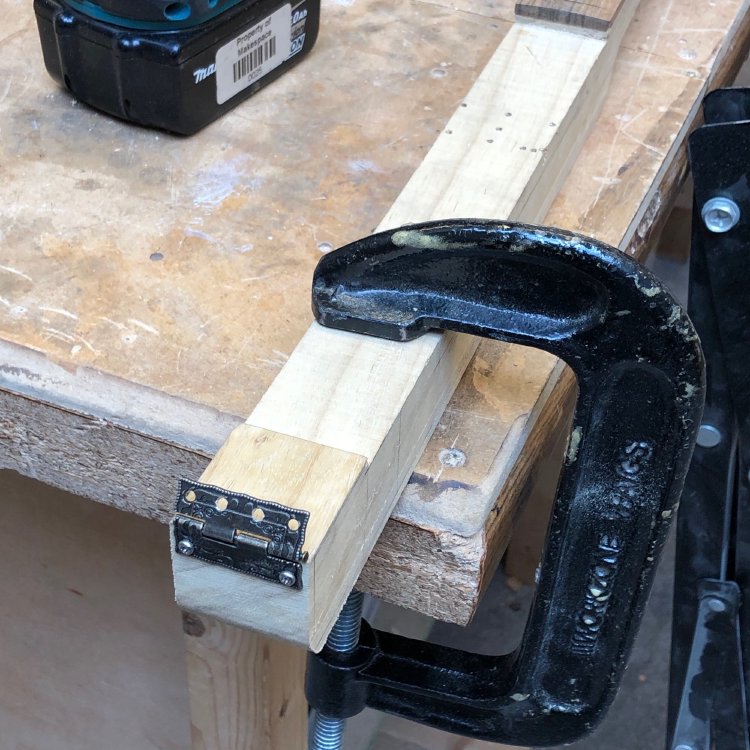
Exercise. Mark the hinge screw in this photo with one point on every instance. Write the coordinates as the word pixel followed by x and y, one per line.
pixel 185 547
pixel 288 577
pixel 720 214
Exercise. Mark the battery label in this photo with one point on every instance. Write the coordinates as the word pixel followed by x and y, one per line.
pixel 255 52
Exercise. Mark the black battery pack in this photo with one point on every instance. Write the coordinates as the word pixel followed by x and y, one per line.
pixel 176 79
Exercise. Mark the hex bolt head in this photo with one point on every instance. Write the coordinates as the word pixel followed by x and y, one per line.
pixel 715 604
pixel 708 436
pixel 185 547
pixel 720 214
pixel 287 577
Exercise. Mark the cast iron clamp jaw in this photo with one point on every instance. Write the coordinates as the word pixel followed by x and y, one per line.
pixel 640 378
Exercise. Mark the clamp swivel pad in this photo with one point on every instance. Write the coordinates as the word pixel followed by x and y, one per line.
pixel 640 380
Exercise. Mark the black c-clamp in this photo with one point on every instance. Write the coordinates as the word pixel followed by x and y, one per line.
pixel 641 386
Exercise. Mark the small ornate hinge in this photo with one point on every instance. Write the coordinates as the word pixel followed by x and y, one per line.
pixel 240 532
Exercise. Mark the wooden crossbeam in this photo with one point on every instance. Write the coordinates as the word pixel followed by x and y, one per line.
pixel 340 429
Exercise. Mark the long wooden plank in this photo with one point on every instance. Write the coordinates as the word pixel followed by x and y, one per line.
pixel 371 405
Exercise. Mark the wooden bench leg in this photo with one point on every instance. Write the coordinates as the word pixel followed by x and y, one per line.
pixel 246 690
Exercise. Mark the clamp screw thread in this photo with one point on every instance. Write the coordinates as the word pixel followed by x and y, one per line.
pixel 327 732
pixel 345 634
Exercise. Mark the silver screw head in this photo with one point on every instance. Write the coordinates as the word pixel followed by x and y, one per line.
pixel 287 577
pixel 683 746
pixel 708 436
pixel 185 547
pixel 716 605
pixel 720 214
pixel 452 458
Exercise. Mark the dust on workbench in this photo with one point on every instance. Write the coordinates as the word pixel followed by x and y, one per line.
pixel 185 264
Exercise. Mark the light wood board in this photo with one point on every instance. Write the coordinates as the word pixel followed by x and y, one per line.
pixel 348 416
pixel 119 682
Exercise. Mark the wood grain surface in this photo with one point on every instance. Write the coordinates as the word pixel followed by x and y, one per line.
pixel 246 691
pixel 134 337
pixel 92 647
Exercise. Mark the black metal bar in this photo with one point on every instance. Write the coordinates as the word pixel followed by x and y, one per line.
pixel 713 654
pixel 713 530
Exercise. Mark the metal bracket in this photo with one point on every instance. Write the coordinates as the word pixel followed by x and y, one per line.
pixel 710 710
pixel 240 532
pixel 713 681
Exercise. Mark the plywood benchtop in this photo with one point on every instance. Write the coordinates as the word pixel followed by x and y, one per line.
pixel 151 287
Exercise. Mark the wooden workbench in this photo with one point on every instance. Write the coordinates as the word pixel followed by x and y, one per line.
pixel 152 286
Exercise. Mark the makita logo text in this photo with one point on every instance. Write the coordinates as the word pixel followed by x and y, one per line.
pixel 202 73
